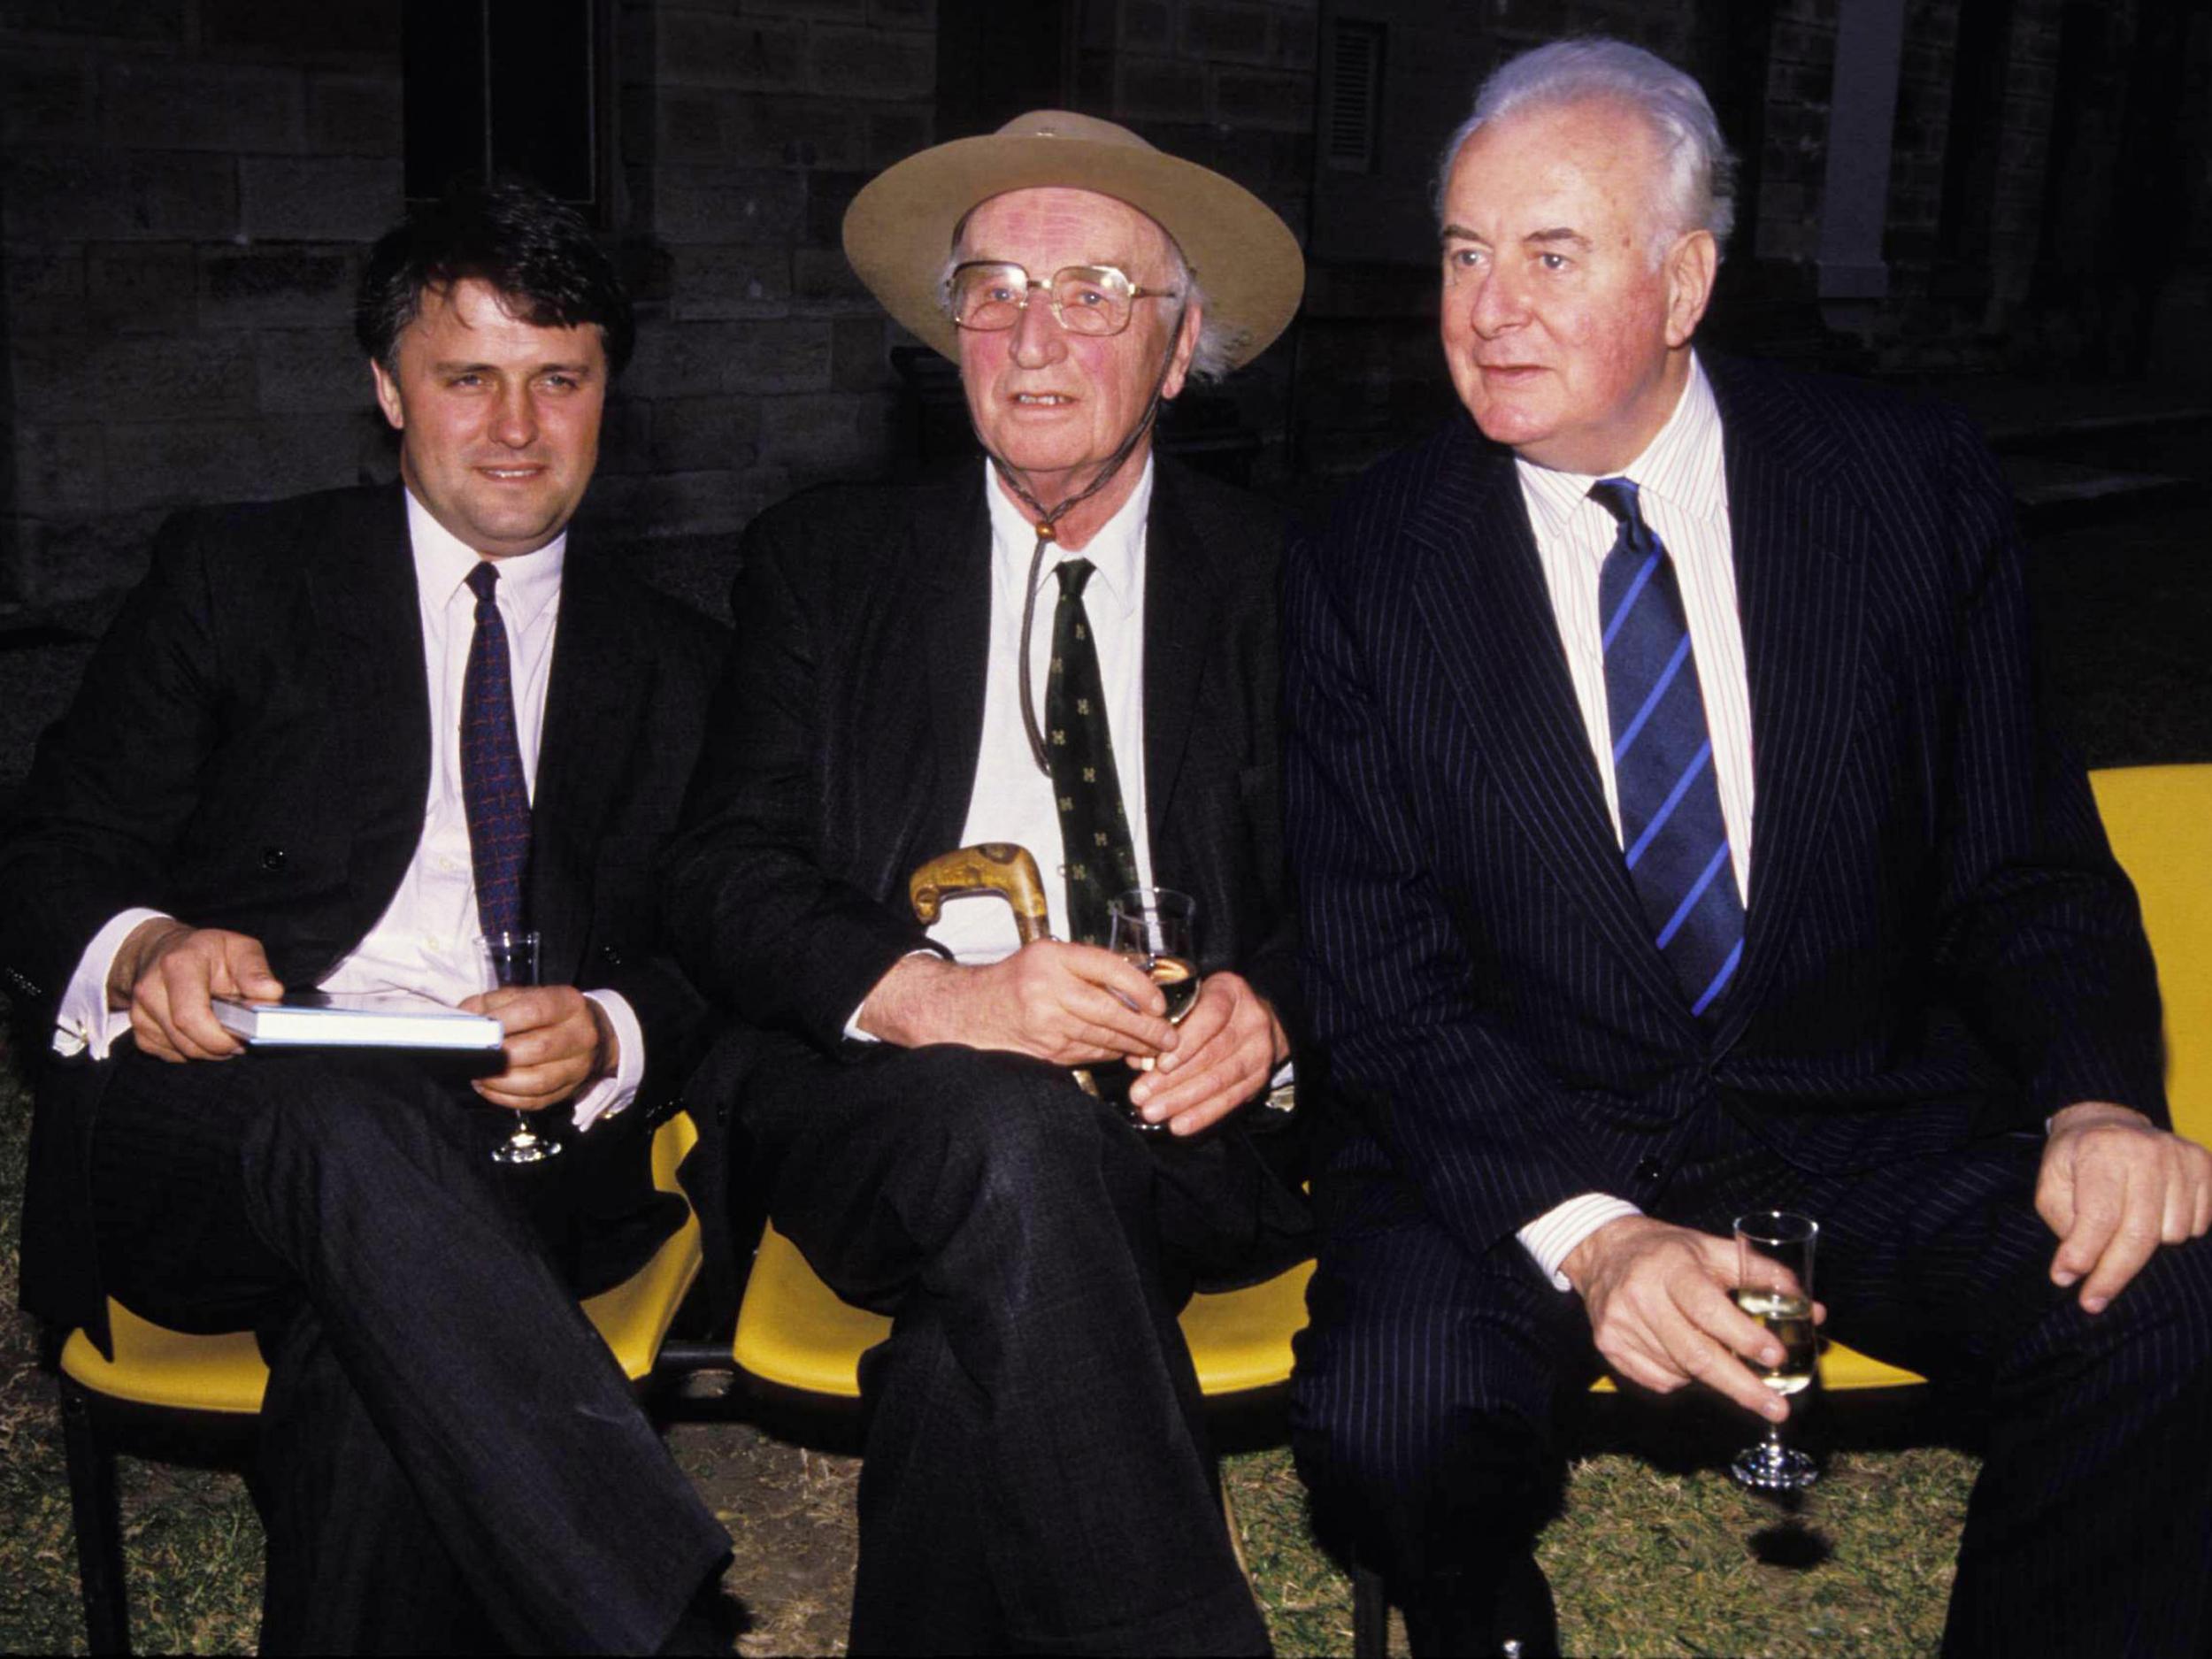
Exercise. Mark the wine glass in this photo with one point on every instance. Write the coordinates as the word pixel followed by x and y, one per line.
pixel 1774 1285
pixel 1157 930
pixel 512 959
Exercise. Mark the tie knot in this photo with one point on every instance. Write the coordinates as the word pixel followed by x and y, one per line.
pixel 1618 497
pixel 1073 574
pixel 484 580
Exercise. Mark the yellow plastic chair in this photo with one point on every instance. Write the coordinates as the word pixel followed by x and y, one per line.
pixel 795 1331
pixel 159 1371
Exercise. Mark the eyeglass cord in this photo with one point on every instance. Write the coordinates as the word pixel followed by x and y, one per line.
pixel 1047 517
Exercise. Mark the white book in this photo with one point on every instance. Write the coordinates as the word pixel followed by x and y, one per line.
pixel 324 1019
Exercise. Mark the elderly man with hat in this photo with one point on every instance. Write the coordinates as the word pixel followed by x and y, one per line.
pixel 1070 646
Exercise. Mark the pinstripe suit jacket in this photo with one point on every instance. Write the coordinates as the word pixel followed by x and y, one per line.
pixel 1938 944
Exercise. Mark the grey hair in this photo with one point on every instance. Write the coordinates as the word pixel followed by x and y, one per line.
pixel 1701 173
pixel 1213 356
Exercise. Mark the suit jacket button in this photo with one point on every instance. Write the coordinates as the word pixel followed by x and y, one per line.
pixel 1648 1172
pixel 609 955
pixel 272 858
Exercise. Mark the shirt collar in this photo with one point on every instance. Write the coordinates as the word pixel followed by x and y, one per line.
pixel 528 582
pixel 1116 552
pixel 1681 466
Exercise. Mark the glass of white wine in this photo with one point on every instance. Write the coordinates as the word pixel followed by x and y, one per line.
pixel 1157 930
pixel 1774 1285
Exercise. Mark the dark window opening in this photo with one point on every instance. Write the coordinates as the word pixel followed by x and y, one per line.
pixel 506 87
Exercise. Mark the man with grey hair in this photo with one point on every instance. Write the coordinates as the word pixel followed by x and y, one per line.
pixel 1679 835
pixel 1069 648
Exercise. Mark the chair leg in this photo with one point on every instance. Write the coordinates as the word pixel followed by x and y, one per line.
pixel 1371 1614
pixel 99 1528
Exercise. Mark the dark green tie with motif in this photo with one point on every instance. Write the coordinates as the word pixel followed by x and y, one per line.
pixel 1094 824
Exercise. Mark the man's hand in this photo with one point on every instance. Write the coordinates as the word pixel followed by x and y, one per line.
pixel 1070 1004
pixel 1659 1307
pixel 557 1043
pixel 2115 1187
pixel 167 973
pixel 1231 1043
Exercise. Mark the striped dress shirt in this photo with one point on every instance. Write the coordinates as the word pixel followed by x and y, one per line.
pixel 1683 488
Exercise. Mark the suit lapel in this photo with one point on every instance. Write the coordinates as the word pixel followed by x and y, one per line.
pixel 952 545
pixel 595 701
pixel 1485 602
pixel 1182 629
pixel 1800 553
pixel 369 615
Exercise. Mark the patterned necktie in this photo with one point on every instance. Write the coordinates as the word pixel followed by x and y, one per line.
pixel 493 788
pixel 1080 749
pixel 1671 828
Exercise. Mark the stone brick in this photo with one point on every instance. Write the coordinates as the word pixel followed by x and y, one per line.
pixel 119 196
pixel 1297 37
pixel 860 358
pixel 822 280
pixel 290 27
pixel 722 205
pixel 1160 89
pixel 310 372
pixel 903 14
pixel 1146 24
pixel 1220 29
pixel 354 115
pixel 778 357
pixel 127 19
pixel 825 432
pixel 231 107
pixel 680 359
pixel 43 287
pixel 181 463
pixel 337 198
pixel 725 282
pixel 704 49
pixel 44 98
pixel 835 10
pixel 1262 99
pixel 146 287
pixel 866 64
pixel 827 196
pixel 59 469
pixel 682 124
pixel 895 135
pixel 252 287
pixel 136 377
pixel 796 132
pixel 696 434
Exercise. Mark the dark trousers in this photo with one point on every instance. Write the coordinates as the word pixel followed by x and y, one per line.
pixel 1037 1476
pixel 448 1453
pixel 1428 1383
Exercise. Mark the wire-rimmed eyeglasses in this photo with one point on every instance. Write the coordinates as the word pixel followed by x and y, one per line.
pixel 990 296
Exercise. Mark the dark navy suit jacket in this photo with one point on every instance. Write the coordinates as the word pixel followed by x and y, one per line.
pixel 1940 945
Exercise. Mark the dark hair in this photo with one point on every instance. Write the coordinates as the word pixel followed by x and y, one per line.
pixel 536 252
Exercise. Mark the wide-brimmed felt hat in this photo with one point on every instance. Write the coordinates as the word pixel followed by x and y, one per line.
pixel 899 229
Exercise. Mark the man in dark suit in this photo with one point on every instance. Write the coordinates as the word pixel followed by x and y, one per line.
pixel 329 742
pixel 1036 1476
pixel 1591 1002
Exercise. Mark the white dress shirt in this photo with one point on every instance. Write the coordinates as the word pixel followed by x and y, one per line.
pixel 1683 488
pixel 426 940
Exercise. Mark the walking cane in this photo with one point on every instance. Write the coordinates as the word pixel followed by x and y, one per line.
pixel 989 867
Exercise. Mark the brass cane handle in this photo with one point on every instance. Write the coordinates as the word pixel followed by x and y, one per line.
pixel 999 867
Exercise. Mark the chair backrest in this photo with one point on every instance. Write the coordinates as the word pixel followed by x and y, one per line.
pixel 2159 820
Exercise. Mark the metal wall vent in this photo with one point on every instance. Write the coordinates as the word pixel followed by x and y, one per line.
pixel 1355 96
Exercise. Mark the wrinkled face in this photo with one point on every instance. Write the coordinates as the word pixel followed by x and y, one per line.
pixel 498 419
pixel 1564 335
pixel 1052 405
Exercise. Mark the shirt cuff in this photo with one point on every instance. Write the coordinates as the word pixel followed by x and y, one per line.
pixel 610 1094
pixel 1551 1238
pixel 84 1023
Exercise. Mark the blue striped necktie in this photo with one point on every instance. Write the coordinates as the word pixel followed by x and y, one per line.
pixel 1671 829
pixel 493 788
